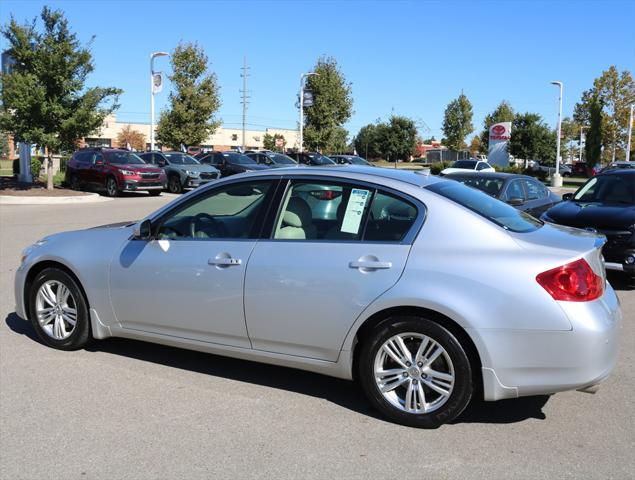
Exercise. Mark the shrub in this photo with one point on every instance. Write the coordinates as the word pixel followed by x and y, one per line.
pixel 436 167
pixel 36 167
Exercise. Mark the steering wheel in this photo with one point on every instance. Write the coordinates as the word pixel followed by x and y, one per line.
pixel 209 226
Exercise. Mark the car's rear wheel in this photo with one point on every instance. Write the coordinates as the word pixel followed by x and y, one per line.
pixel 415 372
pixel 74 183
pixel 58 310
pixel 174 184
pixel 111 187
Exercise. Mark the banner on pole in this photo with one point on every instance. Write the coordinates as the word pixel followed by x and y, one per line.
pixel 499 135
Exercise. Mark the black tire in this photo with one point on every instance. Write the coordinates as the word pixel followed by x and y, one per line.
pixel 80 336
pixel 112 190
pixel 74 183
pixel 174 184
pixel 460 394
pixel 154 193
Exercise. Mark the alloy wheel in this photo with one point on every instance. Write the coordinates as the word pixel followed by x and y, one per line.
pixel 111 187
pixel 56 309
pixel 414 373
pixel 174 185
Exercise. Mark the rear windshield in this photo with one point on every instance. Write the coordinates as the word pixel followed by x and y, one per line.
pixel 469 164
pixel 491 186
pixel 494 210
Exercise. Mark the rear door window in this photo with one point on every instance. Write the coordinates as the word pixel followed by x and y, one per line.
pixel 535 190
pixel 391 218
pixel 514 190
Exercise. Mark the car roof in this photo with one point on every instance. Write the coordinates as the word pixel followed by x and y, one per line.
pixel 501 175
pixel 617 171
pixel 411 177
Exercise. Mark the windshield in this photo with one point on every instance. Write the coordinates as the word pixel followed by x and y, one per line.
pixel 181 159
pixel 491 186
pixel 608 189
pixel 318 159
pixel 494 210
pixel 124 158
pixel 358 161
pixel 281 159
pixel 469 164
pixel 238 158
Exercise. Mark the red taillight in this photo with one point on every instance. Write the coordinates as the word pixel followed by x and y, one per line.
pixel 325 194
pixel 573 282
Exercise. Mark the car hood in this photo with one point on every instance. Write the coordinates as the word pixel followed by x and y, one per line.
pixel 128 223
pixel 592 215
pixel 196 168
pixel 140 168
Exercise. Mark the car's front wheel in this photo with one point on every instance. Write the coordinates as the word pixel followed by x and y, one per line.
pixel 111 187
pixel 174 184
pixel 415 372
pixel 58 310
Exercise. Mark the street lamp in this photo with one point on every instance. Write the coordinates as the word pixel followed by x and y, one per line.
pixel 630 134
pixel 302 77
pixel 581 138
pixel 556 179
pixel 153 89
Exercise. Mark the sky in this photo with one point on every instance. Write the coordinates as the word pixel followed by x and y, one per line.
pixel 402 57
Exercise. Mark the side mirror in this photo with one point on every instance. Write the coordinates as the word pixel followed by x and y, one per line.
pixel 567 196
pixel 514 202
pixel 143 230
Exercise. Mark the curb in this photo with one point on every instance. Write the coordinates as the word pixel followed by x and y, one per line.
pixel 88 198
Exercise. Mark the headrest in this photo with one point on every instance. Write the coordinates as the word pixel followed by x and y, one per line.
pixel 400 211
pixel 298 213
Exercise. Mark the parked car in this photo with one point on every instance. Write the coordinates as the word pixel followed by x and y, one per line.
pixel 312 158
pixel 564 170
pixel 272 159
pixel 520 191
pixel 618 165
pixel 230 163
pixel 181 170
pixel 430 291
pixel 463 165
pixel 606 204
pixel 350 160
pixel 581 169
pixel 112 171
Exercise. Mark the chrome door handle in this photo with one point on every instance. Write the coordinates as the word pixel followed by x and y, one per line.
pixel 225 261
pixel 370 264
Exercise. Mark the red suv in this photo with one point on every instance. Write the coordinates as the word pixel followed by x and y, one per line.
pixel 113 171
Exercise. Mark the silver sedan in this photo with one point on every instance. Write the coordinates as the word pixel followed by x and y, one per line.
pixel 426 291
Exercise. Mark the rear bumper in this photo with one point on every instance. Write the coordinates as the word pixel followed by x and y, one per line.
pixel 518 363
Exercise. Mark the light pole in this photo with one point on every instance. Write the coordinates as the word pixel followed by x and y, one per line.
pixel 630 133
pixel 302 77
pixel 152 89
pixel 556 179
pixel 580 154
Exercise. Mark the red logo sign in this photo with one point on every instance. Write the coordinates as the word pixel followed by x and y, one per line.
pixel 498 129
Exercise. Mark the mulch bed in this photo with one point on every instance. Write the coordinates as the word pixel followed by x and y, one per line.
pixel 10 186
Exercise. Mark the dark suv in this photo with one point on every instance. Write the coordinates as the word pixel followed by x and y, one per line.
pixel 312 158
pixel 181 170
pixel 230 163
pixel 606 204
pixel 113 171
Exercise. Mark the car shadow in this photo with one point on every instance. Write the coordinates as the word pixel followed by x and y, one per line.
pixel 619 281
pixel 344 393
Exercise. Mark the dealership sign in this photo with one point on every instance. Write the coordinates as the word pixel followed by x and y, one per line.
pixel 499 135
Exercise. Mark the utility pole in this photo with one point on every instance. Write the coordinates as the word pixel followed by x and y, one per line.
pixel 245 96
pixel 556 179
pixel 630 134
pixel 581 137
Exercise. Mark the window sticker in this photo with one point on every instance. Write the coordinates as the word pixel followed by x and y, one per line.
pixel 354 211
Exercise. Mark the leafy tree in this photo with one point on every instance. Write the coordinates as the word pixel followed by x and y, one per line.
pixel 503 113
pixel 193 103
pixel 332 107
pixel 397 139
pixel 269 141
pixel 366 142
pixel 532 139
pixel 616 92
pixel 428 141
pixel 44 99
pixel 594 134
pixel 457 122
pixel 132 137
pixel 475 145
pixel 4 145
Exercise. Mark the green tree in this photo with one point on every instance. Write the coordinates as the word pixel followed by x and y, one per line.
pixel 269 141
pixel 44 99
pixel 532 139
pixel 594 134
pixel 397 139
pixel 4 145
pixel 366 141
pixel 194 101
pixel 616 92
pixel 332 107
pixel 457 122
pixel 503 113
pixel 475 145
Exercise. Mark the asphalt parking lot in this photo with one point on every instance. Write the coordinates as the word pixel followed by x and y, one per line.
pixel 127 409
